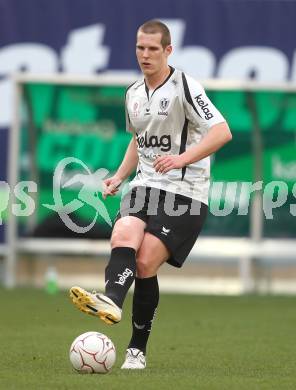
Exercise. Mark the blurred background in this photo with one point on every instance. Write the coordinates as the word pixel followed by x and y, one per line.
pixel 64 68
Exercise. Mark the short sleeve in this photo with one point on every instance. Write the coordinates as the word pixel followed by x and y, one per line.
pixel 198 107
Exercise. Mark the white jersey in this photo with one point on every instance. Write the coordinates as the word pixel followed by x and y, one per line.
pixel 169 120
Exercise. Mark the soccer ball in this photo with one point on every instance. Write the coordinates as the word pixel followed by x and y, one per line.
pixel 92 352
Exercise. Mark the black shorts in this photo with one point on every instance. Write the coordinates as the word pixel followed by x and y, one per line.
pixel 175 219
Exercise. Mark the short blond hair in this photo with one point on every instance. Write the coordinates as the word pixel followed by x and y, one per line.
pixel 156 26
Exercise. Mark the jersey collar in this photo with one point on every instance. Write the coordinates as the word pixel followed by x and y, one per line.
pixel 147 89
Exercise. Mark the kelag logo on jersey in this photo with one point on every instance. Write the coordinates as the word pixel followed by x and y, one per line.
pixel 164 142
pixel 203 106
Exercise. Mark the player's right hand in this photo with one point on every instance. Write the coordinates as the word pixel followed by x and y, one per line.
pixel 111 186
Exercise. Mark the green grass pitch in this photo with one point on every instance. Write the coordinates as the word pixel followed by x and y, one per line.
pixel 197 342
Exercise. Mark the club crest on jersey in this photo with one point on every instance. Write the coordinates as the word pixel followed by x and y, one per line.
pixel 135 108
pixel 163 104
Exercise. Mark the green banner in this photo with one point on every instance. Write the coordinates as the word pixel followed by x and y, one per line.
pixel 88 123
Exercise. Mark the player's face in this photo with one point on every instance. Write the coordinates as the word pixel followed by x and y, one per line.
pixel 151 56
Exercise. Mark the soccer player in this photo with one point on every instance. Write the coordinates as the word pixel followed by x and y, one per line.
pixel 175 129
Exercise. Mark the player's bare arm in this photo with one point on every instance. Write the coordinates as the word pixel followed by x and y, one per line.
pixel 217 136
pixel 128 165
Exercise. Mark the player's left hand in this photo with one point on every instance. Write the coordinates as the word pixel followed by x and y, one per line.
pixel 164 164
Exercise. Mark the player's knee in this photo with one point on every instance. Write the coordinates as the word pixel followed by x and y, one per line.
pixel 120 237
pixel 144 268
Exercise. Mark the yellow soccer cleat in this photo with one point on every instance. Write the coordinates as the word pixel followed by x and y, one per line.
pixel 96 304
